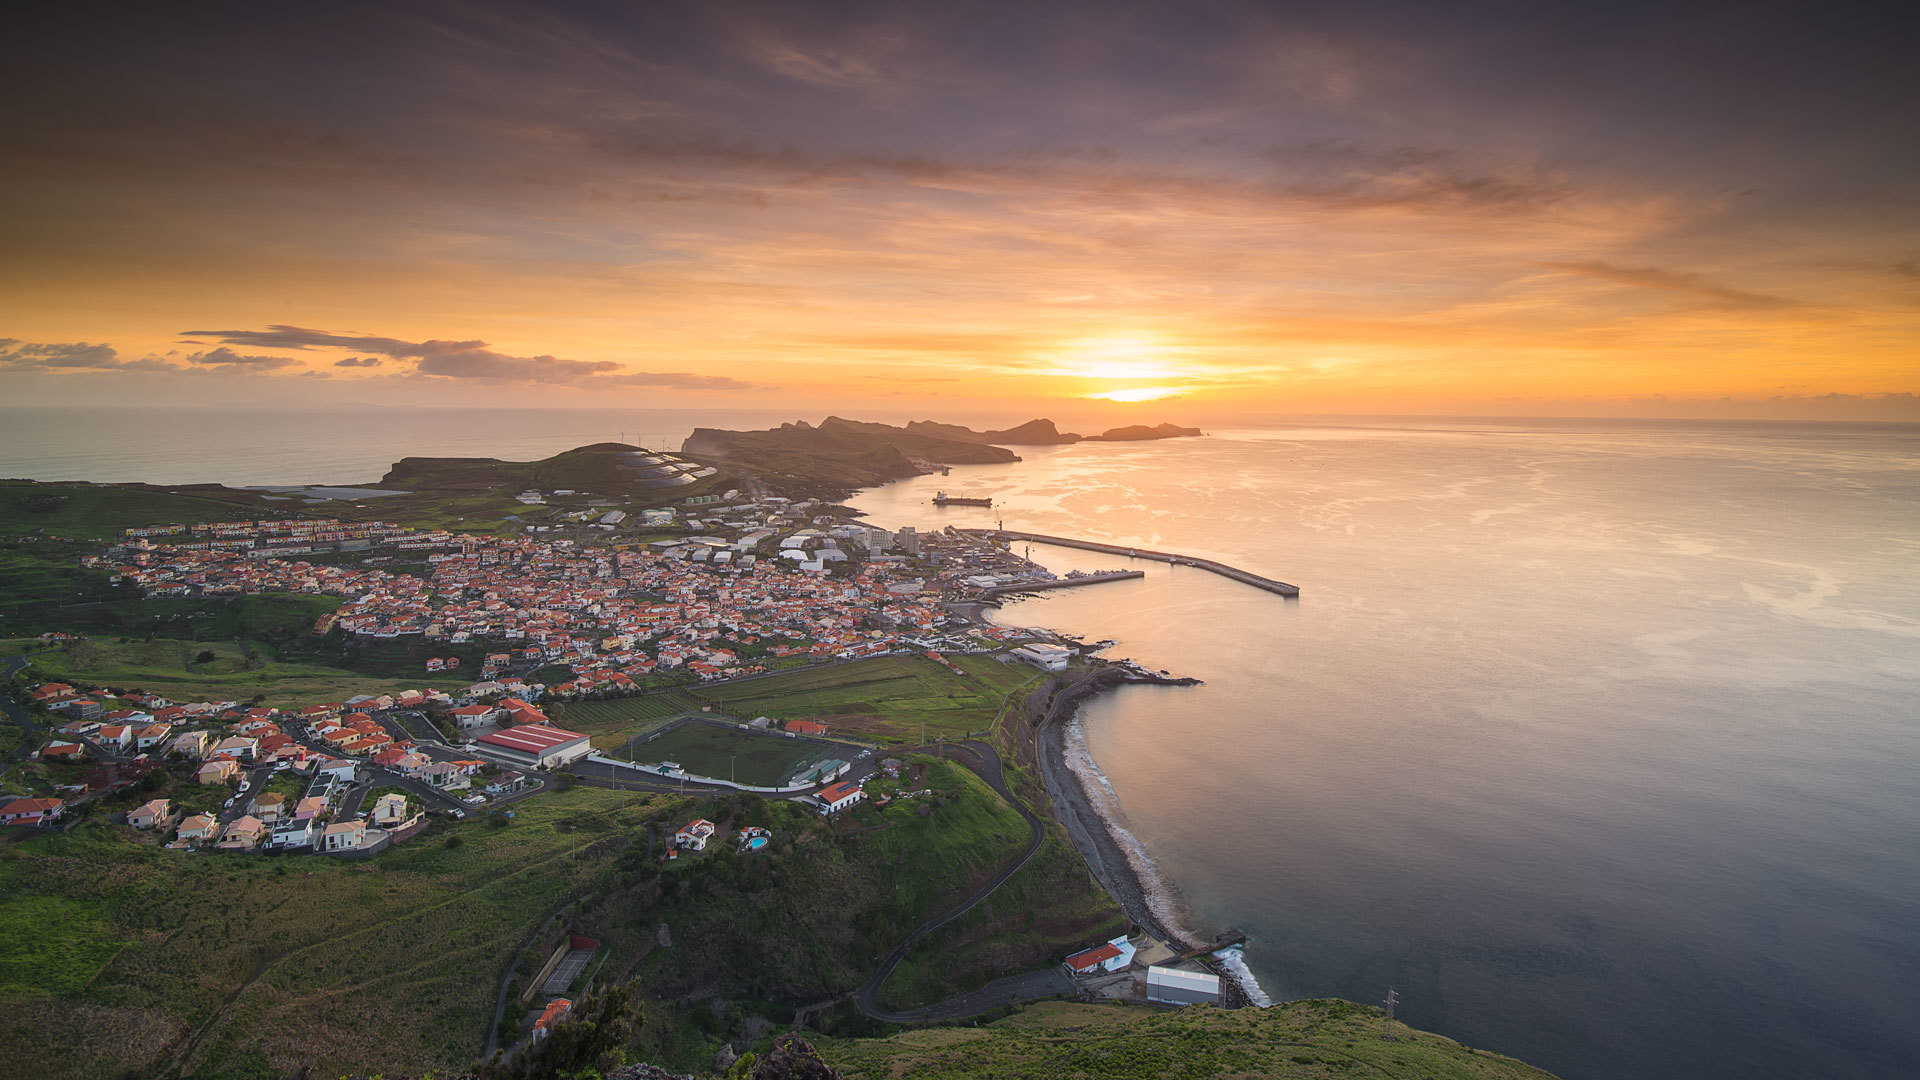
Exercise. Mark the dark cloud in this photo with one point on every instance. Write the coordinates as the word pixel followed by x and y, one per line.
pixel 224 357
pixel 1650 277
pixel 1909 268
pixel 359 361
pixel 79 355
pixel 1326 173
pixel 466 359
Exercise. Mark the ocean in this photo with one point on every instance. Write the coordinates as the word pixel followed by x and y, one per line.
pixel 1594 740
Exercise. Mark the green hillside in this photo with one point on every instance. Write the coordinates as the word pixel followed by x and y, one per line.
pixel 1060 1041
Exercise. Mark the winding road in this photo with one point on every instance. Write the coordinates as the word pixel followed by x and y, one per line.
pixel 986 765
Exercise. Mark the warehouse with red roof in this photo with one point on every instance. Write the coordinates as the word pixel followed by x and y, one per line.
pixel 541 746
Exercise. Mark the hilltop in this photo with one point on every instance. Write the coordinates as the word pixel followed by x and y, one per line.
pixel 837 456
pixel 1139 432
pixel 1059 1040
pixel 608 468
pixel 1044 433
pixel 840 454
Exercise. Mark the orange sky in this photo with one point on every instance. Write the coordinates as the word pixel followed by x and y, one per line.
pixel 771 210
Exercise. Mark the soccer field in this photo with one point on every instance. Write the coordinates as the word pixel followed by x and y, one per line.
pixel 727 753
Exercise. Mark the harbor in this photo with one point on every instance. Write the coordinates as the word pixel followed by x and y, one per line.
pixel 1279 588
pixel 995 594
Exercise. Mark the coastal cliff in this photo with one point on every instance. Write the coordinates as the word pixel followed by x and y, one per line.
pixel 837 456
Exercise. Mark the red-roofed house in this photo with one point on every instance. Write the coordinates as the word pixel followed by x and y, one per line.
pixel 556 1011
pixel 31 812
pixel 837 797
pixel 806 727
pixel 1112 956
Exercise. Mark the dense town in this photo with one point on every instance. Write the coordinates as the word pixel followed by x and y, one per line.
pixel 749 587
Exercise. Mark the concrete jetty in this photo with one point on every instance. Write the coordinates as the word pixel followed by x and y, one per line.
pixel 1278 587
pixel 999 591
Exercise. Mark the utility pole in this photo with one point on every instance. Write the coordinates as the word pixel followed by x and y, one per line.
pixel 1393 999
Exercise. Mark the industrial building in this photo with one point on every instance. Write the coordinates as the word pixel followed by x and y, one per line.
pixel 1176 986
pixel 541 746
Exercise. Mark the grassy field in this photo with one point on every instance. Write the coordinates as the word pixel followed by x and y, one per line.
pixel 245 965
pixel 101 511
pixel 167 667
pixel 886 699
pixel 1060 1041
pixel 727 753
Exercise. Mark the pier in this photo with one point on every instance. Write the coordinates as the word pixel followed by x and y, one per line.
pixel 998 591
pixel 1280 588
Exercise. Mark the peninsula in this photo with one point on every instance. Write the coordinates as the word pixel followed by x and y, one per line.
pixel 613 718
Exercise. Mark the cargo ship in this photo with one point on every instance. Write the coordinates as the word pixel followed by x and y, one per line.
pixel 941 498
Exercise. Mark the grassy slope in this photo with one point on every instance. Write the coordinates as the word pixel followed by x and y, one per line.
pixel 1058 1041
pixel 383 965
pixel 810 918
pixel 885 699
pixel 165 666
pixel 100 511
pixel 391 964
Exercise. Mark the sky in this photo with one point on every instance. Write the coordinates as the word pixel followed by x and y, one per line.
pixel 1155 211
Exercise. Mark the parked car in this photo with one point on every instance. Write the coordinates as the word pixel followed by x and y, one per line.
pixel 474 800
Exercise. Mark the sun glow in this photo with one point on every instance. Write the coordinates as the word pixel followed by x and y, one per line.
pixel 1139 393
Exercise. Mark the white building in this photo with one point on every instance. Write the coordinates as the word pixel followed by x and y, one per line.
pixel 1115 955
pixel 1173 986
pixel 693 836
pixel 839 796
pixel 1045 656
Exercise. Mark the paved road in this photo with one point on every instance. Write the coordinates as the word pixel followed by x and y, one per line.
pixel 985 763
pixel 351 800
pixel 18 715
pixel 257 778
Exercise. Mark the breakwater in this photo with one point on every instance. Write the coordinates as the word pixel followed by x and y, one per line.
pixel 1279 587
pixel 994 594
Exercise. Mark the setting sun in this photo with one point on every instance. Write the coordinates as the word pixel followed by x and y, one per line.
pixel 1139 393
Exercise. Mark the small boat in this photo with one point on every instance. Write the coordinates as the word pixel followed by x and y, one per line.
pixel 941 498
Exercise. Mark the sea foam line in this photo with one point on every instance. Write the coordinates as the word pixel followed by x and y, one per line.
pixel 1162 898
pixel 1235 961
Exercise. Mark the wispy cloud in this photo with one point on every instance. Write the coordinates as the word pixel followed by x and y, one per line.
pixel 1651 277
pixel 224 357
pixel 464 359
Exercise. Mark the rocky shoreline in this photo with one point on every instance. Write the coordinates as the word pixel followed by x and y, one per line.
pixel 1111 853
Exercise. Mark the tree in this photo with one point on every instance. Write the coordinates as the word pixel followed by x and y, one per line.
pixel 205 657
pixel 588 1042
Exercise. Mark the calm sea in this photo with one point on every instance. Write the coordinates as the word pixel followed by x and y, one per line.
pixel 1597 741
